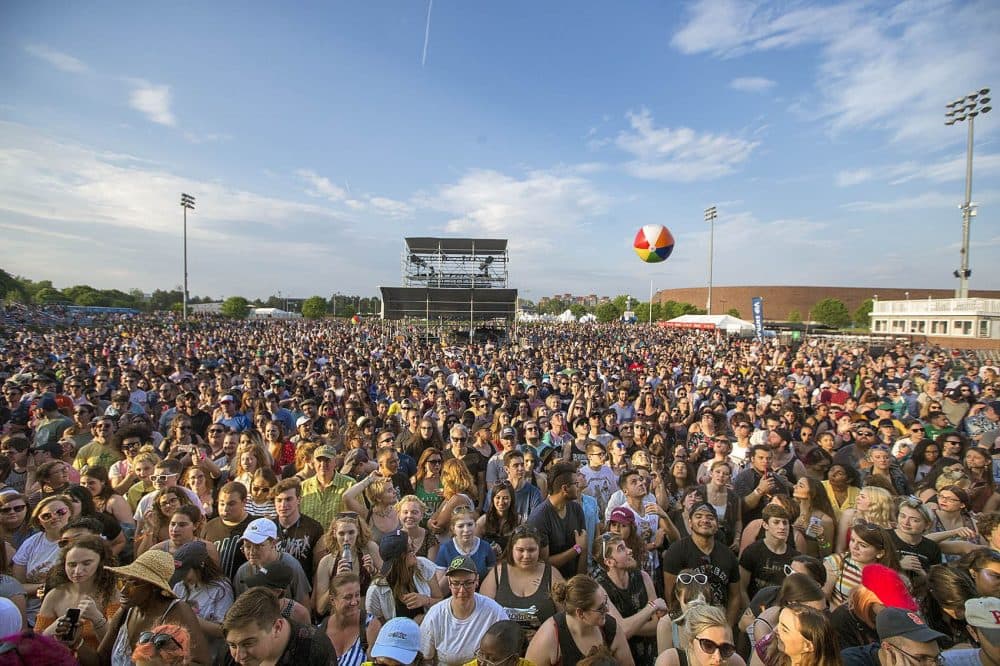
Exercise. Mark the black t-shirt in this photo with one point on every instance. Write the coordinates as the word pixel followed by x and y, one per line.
pixel 928 552
pixel 721 566
pixel 299 540
pixel 765 566
pixel 559 533
pixel 307 646
pixel 227 540
pixel 473 459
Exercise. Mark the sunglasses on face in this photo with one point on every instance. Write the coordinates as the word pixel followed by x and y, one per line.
pixel 161 478
pixel 707 646
pixel 58 513
pixel 7 510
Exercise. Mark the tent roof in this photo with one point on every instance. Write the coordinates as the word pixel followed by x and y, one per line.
pixel 422 245
pixel 721 322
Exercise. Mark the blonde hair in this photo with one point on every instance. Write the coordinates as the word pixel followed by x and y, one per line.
pixel 455 478
pixel 460 513
pixel 952 478
pixel 377 488
pixel 411 499
pixel 881 506
pixel 700 617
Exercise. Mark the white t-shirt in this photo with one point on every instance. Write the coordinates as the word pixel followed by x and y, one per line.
pixel 601 483
pixel 37 555
pixel 456 641
pixel 147 501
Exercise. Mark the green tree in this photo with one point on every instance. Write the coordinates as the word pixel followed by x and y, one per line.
pixel 314 307
pixel 795 316
pixel 47 295
pixel 862 316
pixel 577 310
pixel 832 312
pixel 733 312
pixel 607 311
pixel 236 307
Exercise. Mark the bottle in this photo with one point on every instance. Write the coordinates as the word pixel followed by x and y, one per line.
pixel 347 555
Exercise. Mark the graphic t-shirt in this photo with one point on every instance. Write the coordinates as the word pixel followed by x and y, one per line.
pixel 765 566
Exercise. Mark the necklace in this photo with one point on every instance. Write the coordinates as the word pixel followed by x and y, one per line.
pixel 384 513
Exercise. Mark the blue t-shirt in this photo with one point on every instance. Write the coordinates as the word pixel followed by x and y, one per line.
pixel 483 556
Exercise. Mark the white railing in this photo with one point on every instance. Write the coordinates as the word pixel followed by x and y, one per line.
pixel 967 306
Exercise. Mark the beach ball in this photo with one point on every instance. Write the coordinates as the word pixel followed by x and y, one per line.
pixel 653 243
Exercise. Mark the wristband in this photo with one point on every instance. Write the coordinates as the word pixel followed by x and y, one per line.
pixel 577 548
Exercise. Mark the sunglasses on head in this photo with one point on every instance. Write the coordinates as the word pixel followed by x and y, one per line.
pixel 159 641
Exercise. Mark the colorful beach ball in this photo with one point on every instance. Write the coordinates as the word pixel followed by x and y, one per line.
pixel 653 243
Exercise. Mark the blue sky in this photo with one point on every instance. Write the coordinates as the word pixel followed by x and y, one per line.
pixel 316 136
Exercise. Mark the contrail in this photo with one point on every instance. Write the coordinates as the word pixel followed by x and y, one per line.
pixel 427 32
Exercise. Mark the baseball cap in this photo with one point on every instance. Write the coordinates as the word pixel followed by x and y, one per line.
pixel 463 564
pixel 399 640
pixel 260 530
pixel 189 556
pixel 226 398
pixel 361 422
pixel 983 613
pixel 277 575
pixel 908 624
pixel 48 404
pixel 703 506
pixel 508 433
pixel 325 451
pixel 886 406
pixel 622 515
pixel 392 545
pixel 301 421
pixel 52 448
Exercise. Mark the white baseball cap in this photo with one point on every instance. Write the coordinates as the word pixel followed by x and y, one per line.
pixel 260 530
pixel 399 639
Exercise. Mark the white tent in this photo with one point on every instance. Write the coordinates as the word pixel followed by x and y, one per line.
pixel 272 313
pixel 723 322
pixel 567 317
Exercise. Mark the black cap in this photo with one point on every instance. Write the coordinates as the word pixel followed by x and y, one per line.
pixel 277 575
pixel 393 545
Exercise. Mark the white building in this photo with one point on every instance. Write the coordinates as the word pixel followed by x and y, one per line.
pixel 953 318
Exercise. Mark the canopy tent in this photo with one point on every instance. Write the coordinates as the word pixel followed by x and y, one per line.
pixel 723 322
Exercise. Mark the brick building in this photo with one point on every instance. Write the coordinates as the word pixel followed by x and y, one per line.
pixel 781 300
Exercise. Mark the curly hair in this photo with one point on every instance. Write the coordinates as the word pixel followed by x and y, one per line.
pixel 104 578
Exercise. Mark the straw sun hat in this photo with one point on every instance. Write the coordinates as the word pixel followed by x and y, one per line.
pixel 155 567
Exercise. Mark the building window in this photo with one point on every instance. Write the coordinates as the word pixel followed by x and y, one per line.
pixel 898 326
pixel 880 325
pixel 918 326
pixel 939 328
pixel 963 327
pixel 984 328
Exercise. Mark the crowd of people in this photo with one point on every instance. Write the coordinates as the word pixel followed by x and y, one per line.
pixel 334 493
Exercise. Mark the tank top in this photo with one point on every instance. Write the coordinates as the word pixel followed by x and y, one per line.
pixel 530 611
pixel 569 653
pixel 121 652
pixel 430 499
pixel 629 601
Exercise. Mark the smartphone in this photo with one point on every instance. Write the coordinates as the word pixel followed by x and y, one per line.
pixel 73 614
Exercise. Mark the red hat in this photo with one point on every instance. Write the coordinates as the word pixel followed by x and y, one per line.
pixel 623 515
pixel 888 586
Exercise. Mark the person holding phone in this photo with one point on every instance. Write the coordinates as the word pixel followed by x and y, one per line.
pixel 81 591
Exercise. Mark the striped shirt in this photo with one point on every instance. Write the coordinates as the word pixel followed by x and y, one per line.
pixel 847 576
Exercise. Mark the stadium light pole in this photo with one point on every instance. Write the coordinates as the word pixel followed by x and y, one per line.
pixel 710 214
pixel 187 201
pixel 967 108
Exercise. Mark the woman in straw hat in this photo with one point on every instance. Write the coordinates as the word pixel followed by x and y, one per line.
pixel 147 602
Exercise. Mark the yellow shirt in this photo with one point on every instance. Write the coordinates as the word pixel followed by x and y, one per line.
pixel 520 662
pixel 838 509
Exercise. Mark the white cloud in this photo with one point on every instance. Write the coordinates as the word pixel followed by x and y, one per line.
pixel 152 100
pixel 321 186
pixel 681 154
pixel 888 67
pixel 752 84
pixel 947 170
pixel 57 59
pixel 852 177
pixel 541 213
pixel 921 201
pixel 391 207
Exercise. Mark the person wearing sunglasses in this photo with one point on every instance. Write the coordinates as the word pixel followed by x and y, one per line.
pixel 40 551
pixel 585 624
pixel 15 517
pixel 710 641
